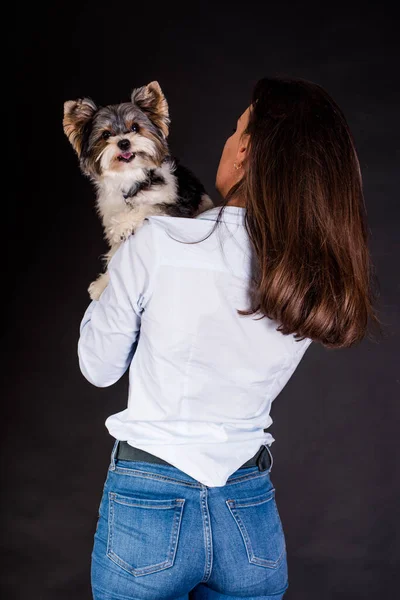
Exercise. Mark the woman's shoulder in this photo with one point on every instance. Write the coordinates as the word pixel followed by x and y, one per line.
pixel 165 221
pixel 167 226
pixel 160 231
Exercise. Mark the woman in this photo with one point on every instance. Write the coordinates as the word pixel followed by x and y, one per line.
pixel 215 332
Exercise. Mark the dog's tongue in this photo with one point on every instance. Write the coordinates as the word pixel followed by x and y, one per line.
pixel 126 155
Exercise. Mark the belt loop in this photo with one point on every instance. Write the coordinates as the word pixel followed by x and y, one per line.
pixel 113 454
pixel 270 453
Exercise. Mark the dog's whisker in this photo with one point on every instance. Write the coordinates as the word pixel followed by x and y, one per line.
pixel 101 154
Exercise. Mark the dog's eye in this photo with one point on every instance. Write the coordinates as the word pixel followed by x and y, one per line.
pixel 105 135
pixel 134 128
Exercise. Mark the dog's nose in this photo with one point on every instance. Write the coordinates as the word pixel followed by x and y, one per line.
pixel 124 144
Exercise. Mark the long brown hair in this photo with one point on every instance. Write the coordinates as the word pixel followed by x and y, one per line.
pixel 305 215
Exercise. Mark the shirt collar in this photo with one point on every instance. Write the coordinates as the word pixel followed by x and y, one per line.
pixel 230 214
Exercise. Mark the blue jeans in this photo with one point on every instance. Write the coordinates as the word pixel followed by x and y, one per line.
pixel 161 534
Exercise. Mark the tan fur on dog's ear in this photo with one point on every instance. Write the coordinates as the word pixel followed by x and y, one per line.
pixel 151 101
pixel 76 114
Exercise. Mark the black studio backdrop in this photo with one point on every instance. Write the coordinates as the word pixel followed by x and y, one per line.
pixel 335 423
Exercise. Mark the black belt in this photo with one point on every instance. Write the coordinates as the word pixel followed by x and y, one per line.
pixel 261 459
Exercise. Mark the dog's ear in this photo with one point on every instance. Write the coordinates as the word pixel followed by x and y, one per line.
pixel 151 101
pixel 77 113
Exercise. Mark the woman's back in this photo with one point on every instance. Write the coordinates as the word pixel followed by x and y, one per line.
pixel 203 377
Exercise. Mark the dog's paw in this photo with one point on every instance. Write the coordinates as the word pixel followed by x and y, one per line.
pixel 94 293
pixel 96 288
pixel 119 231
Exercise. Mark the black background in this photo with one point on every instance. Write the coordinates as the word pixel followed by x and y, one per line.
pixel 336 423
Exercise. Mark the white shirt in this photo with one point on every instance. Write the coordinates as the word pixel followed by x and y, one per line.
pixel 201 377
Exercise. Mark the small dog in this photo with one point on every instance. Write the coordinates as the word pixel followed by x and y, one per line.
pixel 123 150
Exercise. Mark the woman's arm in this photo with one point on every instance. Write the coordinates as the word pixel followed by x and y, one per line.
pixel 109 330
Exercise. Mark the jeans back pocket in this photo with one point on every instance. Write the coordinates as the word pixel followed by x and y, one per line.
pixel 261 528
pixel 143 533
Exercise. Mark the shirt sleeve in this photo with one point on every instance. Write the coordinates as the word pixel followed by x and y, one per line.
pixel 109 330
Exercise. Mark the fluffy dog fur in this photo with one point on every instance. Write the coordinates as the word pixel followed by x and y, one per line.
pixel 123 150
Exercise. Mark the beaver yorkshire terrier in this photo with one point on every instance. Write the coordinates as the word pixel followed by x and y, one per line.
pixel 123 149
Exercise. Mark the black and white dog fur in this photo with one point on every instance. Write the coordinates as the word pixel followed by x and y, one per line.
pixel 123 149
